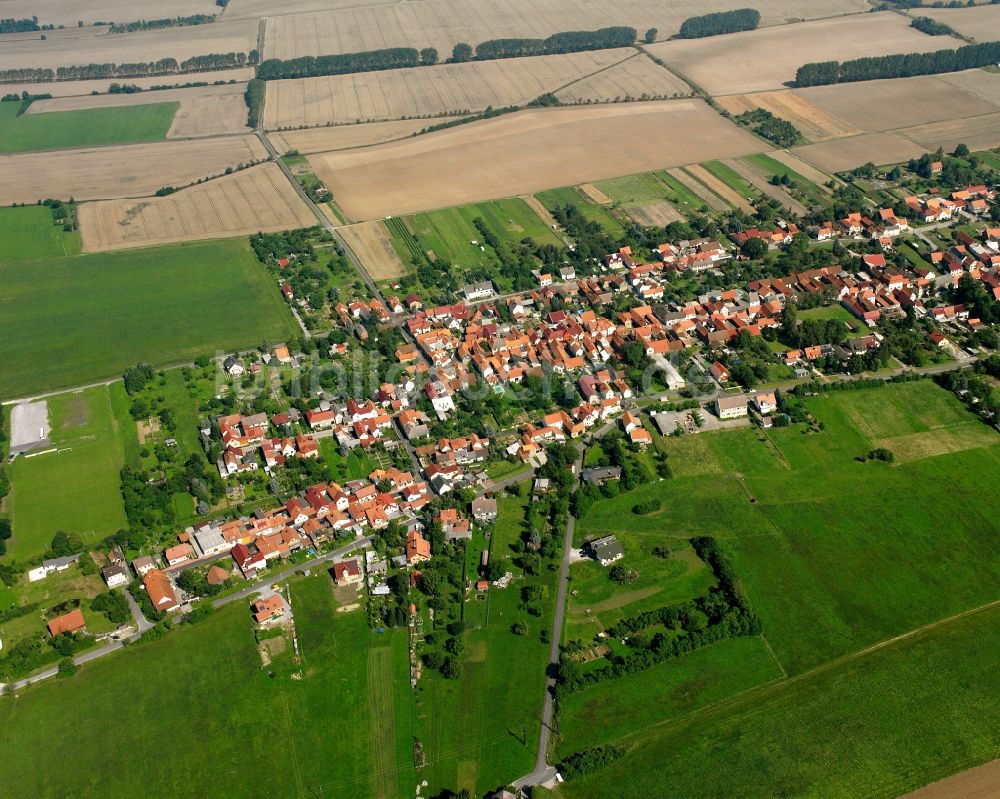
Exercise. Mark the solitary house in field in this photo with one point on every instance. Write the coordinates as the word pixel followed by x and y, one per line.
pixel 607 550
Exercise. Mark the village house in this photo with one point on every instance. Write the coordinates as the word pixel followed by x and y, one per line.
pixel 268 609
pixel 67 623
pixel 51 566
pixel 347 572
pixel 161 592
pixel 484 510
pixel 115 575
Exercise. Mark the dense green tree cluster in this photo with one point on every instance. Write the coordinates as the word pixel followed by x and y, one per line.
pixel 342 64
pixel 565 42
pixel 904 65
pixel 931 27
pixel 741 19
pixel 774 129
pixel 158 24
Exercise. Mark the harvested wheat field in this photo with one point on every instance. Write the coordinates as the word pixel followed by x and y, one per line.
pixel 445 23
pixel 203 110
pixel 768 58
pixel 595 194
pixel 70 88
pixel 812 121
pixel 69 12
pixel 979 133
pixel 755 177
pixel 844 154
pixel 978 82
pixel 728 194
pixel 257 199
pixel 132 48
pixel 243 9
pixel 135 170
pixel 540 210
pixel 637 78
pixel 345 137
pixel 427 91
pixel 371 243
pixel 981 24
pixel 709 197
pixel 879 105
pixel 526 152
pixel 658 214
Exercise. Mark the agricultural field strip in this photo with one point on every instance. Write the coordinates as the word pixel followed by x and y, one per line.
pixel 637 77
pixel 769 57
pixel 69 12
pixel 178 43
pixel 137 170
pixel 427 91
pixel 444 23
pixel 370 241
pixel 203 110
pixel 689 181
pixel 511 155
pixel 758 179
pixel 721 188
pixel 347 137
pixel 256 199
pixel 74 88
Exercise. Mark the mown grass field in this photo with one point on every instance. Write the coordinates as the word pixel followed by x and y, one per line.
pixel 68 321
pixel 481 731
pixel 29 233
pixel 732 178
pixel 75 489
pixel 450 232
pixel 590 210
pixel 203 688
pixel 833 551
pixel 61 130
pixel 879 725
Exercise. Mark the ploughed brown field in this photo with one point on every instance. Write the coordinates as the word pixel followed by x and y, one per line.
pixel 444 23
pixel 526 152
pixel 131 48
pixel 843 154
pixel 203 110
pixel 135 170
pixel 256 199
pixel 981 782
pixel 768 58
pixel 428 91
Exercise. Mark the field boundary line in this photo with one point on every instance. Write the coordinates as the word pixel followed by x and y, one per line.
pixel 737 698
pixel 784 674
pixel 598 72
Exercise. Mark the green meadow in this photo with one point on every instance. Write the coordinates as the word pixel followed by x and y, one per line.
pixel 29 233
pixel 68 321
pixel 589 209
pixel 60 130
pixel 879 725
pixel 75 488
pixel 309 729
pixel 836 555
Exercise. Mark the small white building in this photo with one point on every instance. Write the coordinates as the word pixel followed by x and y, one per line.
pixel 51 566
